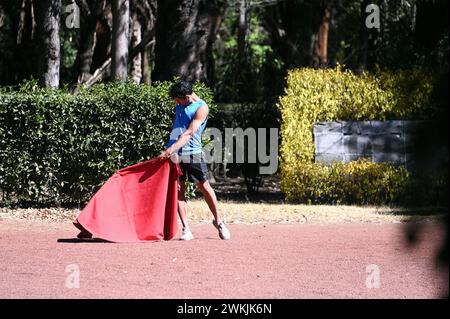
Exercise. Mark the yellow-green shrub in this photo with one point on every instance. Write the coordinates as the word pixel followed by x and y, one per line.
pixel 410 90
pixel 361 182
pixel 336 94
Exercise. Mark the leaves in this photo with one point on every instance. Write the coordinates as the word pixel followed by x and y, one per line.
pixel 335 94
pixel 57 148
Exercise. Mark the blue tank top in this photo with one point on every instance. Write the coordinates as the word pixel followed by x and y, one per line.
pixel 183 117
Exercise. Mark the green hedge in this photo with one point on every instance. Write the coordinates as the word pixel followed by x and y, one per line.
pixel 58 148
pixel 336 94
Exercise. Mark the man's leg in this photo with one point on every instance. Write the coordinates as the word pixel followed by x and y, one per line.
pixel 182 204
pixel 186 233
pixel 210 198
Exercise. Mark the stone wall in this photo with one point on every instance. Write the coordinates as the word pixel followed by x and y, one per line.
pixel 379 141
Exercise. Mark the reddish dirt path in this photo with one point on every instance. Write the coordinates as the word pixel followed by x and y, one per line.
pixel 260 261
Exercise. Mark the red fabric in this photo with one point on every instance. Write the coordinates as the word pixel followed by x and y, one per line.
pixel 136 204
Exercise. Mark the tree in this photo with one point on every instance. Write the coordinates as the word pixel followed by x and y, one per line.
pixel 10 13
pixel 48 22
pixel 91 13
pixel 185 33
pixel 299 31
pixel 143 35
pixel 121 17
pixel 147 11
pixel 243 28
pixel 136 37
pixel 102 49
pixel 320 54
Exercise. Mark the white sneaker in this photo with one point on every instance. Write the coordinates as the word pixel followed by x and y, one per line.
pixel 224 233
pixel 186 234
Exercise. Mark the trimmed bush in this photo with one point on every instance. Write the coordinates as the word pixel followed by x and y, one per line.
pixel 58 148
pixel 361 182
pixel 336 94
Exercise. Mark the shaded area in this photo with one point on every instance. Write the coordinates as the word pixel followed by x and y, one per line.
pixel 235 189
pixel 420 211
pixel 82 240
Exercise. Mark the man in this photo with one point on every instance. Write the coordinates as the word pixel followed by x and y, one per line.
pixel 191 115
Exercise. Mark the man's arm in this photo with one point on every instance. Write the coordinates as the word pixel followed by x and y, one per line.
pixel 199 118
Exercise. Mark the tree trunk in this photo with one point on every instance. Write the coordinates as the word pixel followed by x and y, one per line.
pixel 320 56
pixel 292 27
pixel 102 49
pixel 243 28
pixel 2 16
pixel 103 71
pixel 89 17
pixel 121 17
pixel 10 20
pixel 136 64
pixel 146 11
pixel 145 68
pixel 185 33
pixel 25 59
pixel 299 31
pixel 48 19
pixel 27 22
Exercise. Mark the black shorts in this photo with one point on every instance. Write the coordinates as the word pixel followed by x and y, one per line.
pixel 194 168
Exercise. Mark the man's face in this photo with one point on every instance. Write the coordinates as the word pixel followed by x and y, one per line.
pixel 182 101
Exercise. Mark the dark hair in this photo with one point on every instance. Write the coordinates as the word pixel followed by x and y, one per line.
pixel 181 89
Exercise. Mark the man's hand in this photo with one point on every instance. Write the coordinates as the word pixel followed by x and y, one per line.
pixel 166 154
pixel 169 153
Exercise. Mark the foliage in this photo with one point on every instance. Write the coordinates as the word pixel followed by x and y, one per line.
pixel 360 182
pixel 244 115
pixel 411 93
pixel 58 148
pixel 250 78
pixel 337 94
pixel 68 53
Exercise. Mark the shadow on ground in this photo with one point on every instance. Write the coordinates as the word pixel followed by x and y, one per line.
pixel 83 240
pixel 234 189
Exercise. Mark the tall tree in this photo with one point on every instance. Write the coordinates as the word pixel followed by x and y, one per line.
pixel 48 23
pixel 103 32
pixel 320 54
pixel 91 13
pixel 9 14
pixel 144 12
pixel 185 33
pixel 243 27
pixel 293 26
pixel 121 18
pixel 143 35
pixel 136 37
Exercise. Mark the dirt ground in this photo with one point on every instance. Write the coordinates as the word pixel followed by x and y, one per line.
pixel 277 250
pixel 40 259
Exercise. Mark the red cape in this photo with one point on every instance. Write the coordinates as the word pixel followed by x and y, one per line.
pixel 138 203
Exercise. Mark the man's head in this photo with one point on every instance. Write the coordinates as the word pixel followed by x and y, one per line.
pixel 180 91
